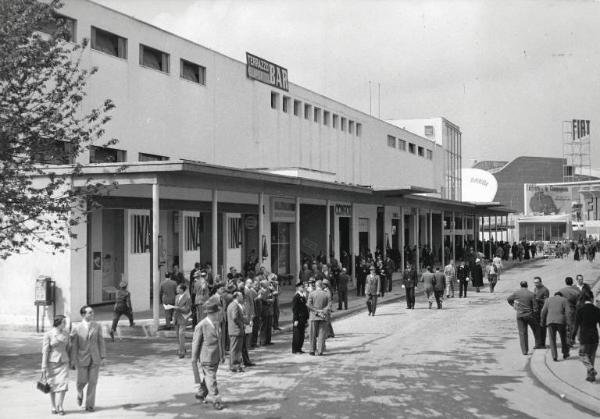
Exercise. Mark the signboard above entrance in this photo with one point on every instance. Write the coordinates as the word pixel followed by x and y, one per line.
pixel 266 72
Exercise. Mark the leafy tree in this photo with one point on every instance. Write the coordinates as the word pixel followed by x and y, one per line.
pixel 43 127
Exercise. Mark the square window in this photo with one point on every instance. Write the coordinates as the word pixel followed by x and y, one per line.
pixel 192 72
pixel 401 144
pixel 326 117
pixel 412 148
pixel 343 124
pixel 351 127
pixel 391 141
pixel 334 121
pixel 109 43
pixel 151 157
pixel 358 129
pixel 286 104
pixel 274 100
pixel 297 105
pixel 429 131
pixel 153 58
pixel 317 115
pixel 307 109
pixel 421 151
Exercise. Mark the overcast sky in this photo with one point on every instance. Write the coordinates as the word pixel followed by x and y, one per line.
pixel 507 72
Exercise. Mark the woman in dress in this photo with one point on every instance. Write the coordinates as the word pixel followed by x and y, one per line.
pixel 55 363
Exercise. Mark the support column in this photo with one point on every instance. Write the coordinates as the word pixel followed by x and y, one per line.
pixel 453 238
pixel 214 234
pixel 496 228
pixel 328 230
pixel 489 236
pixel 430 229
pixel 297 238
pixel 401 240
pixel 154 257
pixel 417 237
pixel 353 242
pixel 261 225
pixel 384 250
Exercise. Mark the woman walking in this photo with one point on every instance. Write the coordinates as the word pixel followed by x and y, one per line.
pixel 55 363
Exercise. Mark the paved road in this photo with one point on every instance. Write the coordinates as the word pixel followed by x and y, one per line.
pixel 460 362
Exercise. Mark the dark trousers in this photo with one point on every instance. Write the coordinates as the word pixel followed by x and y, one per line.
pixel 255 330
pixel 266 327
pixel 342 298
pixel 587 355
pixel 522 323
pixel 360 286
pixel 245 354
pixel 462 288
pixel 168 317
pixel 410 297
pixel 561 329
pixel 117 315
pixel 493 281
pixel 390 282
pixel 383 285
pixel 298 337
pixel 372 303
pixel 571 326
pixel 543 330
pixel 275 312
pixel 438 294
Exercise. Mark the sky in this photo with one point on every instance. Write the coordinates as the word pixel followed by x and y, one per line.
pixel 507 72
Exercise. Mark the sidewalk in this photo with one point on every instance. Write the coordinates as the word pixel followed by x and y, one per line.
pixel 566 378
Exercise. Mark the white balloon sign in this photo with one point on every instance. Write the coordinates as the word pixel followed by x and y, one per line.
pixel 478 185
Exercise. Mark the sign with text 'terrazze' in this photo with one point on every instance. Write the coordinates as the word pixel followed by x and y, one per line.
pixel 266 72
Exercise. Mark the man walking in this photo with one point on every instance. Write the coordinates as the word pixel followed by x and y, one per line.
pixel 450 274
pixel 462 275
pixel 571 293
pixel 541 295
pixel 168 290
pixel 299 318
pixel 587 322
pixel 87 353
pixel 409 282
pixel 235 329
pixel 342 289
pixel 372 289
pixel 428 280
pixel 439 286
pixel 554 316
pixel 318 307
pixel 525 305
pixel 182 308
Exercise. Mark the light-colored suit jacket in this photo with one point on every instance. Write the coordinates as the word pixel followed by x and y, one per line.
pixel 318 302
pixel 235 319
pixel 87 344
pixel 55 347
pixel 206 344
pixel 373 285
pixel 183 308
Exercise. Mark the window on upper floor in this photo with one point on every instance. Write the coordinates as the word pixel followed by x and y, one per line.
pixel 151 157
pixel 297 105
pixel 274 100
pixel 55 152
pixel 60 26
pixel 351 127
pixel 286 104
pixel 326 117
pixel 421 151
pixel 391 141
pixel 429 131
pixel 109 43
pixel 334 121
pixel 412 148
pixel 154 58
pixel 317 115
pixel 358 129
pixel 192 72
pixel 107 155
pixel 307 109
pixel 343 124
pixel 429 155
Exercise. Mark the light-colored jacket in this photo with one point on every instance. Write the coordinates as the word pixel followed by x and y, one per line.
pixel 554 311
pixel 55 347
pixel 183 308
pixel 206 344
pixel 87 344
pixel 373 284
pixel 318 302
pixel 235 319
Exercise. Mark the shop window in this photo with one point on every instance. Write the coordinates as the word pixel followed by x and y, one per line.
pixel 429 155
pixel 421 151
pixel 192 72
pixel 106 155
pixel 326 117
pixel 297 105
pixel 412 148
pixel 151 157
pixel 153 58
pixel 358 129
pixel 334 121
pixel 60 26
pixel 140 239
pixel 307 109
pixel 286 104
pixel 351 127
pixel 401 144
pixel 429 131
pixel 274 100
pixel 109 43
pixel 391 141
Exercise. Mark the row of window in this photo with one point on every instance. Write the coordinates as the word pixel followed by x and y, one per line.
pixel 412 148
pixel 116 45
pixel 113 155
pixel 318 115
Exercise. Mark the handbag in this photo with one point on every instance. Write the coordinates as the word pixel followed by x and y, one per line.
pixel 42 384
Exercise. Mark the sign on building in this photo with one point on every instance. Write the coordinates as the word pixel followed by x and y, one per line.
pixel 581 128
pixel 266 72
pixel 549 199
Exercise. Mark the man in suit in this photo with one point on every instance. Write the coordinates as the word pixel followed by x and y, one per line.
pixel 318 305
pixel 526 307
pixel 587 322
pixel 87 353
pixel 462 275
pixel 450 273
pixel 372 289
pixel 439 285
pixel 571 293
pixel 342 289
pixel 541 295
pixel 168 291
pixel 207 350
pixel 554 316
pixel 235 329
pixel 266 316
pixel 299 318
pixel 182 309
pixel 409 282
pixel 428 281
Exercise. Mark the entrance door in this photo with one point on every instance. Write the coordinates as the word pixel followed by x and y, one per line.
pixel 363 236
pixel 280 248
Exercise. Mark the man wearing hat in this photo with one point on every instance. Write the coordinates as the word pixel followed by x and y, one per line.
pixel 122 306
pixel 208 351
pixel 372 289
pixel 318 307
pixel 299 318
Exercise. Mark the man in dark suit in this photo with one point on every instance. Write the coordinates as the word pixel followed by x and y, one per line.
pixel 342 289
pixel 87 353
pixel 554 316
pixel 409 282
pixel 587 322
pixel 299 318
pixel 526 307
pixel 176 275
pixel 319 308
pixel 235 328
pixel 462 275
pixel 372 289
pixel 182 309
pixel 439 286
pixel 168 291
pixel 541 295
pixel 571 293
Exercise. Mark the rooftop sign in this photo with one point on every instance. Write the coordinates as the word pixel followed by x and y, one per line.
pixel 266 72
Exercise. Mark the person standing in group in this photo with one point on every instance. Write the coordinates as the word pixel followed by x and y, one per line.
pixel 168 291
pixel 390 268
pixel 122 306
pixel 299 318
pixel 477 275
pixel 342 289
pixel 439 286
pixel 372 289
pixel 554 316
pixel 450 274
pixel 327 288
pixel 318 305
pixel 428 281
pixel 183 310
pixel 256 320
pixel 194 276
pixel 266 322
pixel 523 301
pixel 541 295
pixel 571 293
pixel 462 275
pixel 176 275
pixel 274 286
pixel 207 349
pixel 55 362
pixel 201 295
pixel 492 276
pixel 587 323
pixel 235 328
pixel 409 282
pixel 87 353
pixel 361 277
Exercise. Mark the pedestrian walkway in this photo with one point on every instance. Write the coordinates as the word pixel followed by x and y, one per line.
pixel 566 378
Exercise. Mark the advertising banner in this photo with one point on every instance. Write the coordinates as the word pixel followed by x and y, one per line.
pixel 549 199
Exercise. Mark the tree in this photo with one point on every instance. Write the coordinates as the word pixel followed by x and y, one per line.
pixel 43 127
